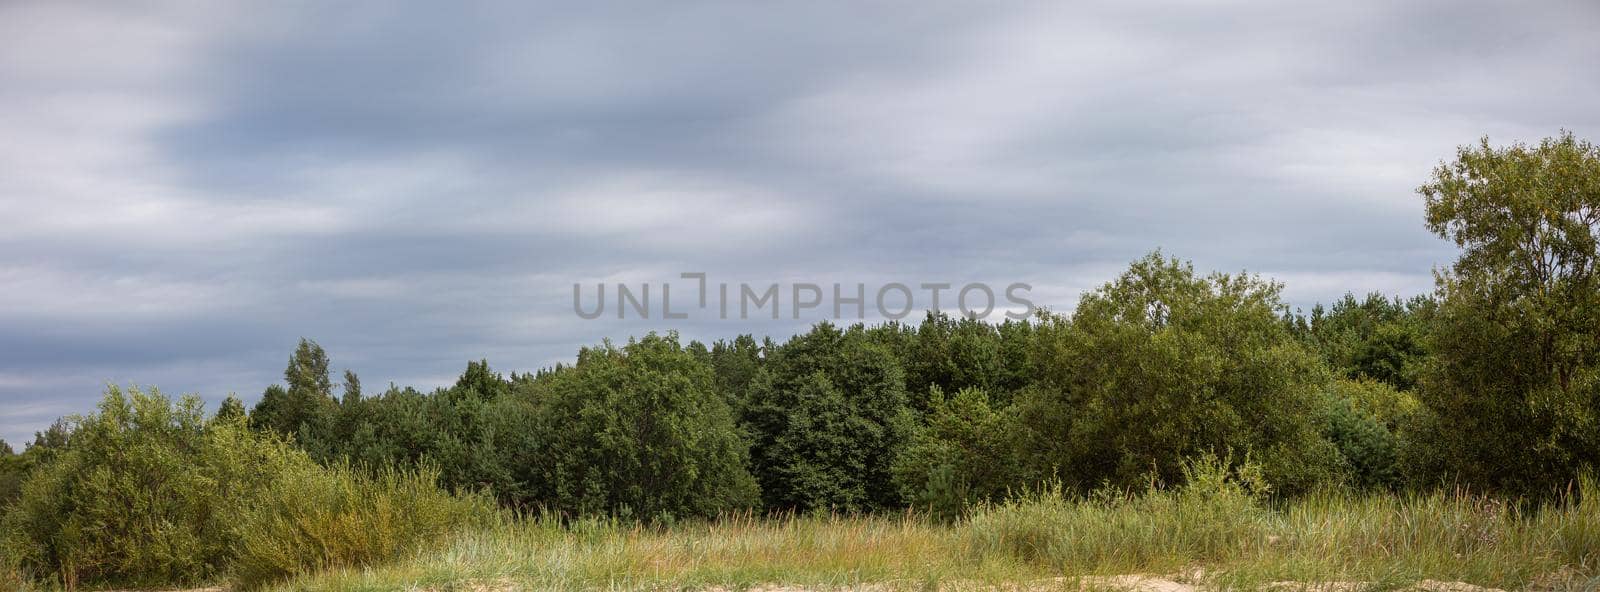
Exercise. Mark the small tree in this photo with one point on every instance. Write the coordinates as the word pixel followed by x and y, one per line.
pixel 231 409
pixel 1362 419
pixel 1162 365
pixel 961 455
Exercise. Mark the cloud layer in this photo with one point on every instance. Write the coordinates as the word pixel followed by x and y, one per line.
pixel 186 188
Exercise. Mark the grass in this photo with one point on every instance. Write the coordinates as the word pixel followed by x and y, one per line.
pixel 1218 531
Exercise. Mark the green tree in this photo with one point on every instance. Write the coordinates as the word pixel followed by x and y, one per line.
pixel 1163 365
pixel 1513 385
pixel 306 409
pixel 54 438
pixel 232 408
pixel 638 430
pixel 479 381
pixel 1016 366
pixel 12 473
pixel 352 388
pixel 961 455
pixel 1376 337
pixel 15 468
pixel 826 414
pixel 735 363
pixel 1363 418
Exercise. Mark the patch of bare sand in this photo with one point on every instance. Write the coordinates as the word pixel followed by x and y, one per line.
pixel 1120 583
pixel 1422 586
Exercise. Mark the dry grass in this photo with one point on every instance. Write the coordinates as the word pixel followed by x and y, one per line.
pixel 1213 538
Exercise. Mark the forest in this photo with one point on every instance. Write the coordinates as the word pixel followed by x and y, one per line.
pixel 1175 418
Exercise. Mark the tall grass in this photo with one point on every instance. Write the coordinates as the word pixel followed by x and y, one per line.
pixel 317 518
pixel 1218 530
pixel 1217 517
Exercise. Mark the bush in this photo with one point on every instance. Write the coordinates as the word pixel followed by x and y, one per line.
pixel 1367 448
pixel 313 518
pixel 12 472
pixel 961 455
pixel 143 496
pixel 147 493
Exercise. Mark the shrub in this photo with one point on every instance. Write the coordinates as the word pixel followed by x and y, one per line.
pixel 1367 448
pixel 961 455
pixel 314 518
pixel 143 495
pixel 12 471
pixel 147 493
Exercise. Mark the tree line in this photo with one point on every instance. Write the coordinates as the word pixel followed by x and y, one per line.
pixel 1490 382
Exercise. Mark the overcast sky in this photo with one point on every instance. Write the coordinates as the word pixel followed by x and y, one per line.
pixel 187 189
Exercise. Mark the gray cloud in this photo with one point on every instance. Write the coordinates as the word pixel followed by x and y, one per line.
pixel 188 188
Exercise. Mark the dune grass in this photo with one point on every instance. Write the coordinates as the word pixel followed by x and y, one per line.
pixel 1213 532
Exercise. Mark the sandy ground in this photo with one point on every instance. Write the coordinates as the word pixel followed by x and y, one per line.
pixel 1125 583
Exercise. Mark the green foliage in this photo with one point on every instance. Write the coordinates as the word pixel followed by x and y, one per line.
pixel 1514 383
pixel 1360 420
pixel 1375 338
pixel 312 518
pixel 827 413
pixel 12 473
pixel 466 436
pixel 144 495
pixel 962 455
pixel 1163 365
pixel 735 364
pixel 477 382
pixel 953 354
pixel 638 430
pixel 16 467
pixel 232 409
pixel 148 493
pixel 306 408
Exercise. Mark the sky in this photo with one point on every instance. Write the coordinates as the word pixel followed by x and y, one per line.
pixel 186 189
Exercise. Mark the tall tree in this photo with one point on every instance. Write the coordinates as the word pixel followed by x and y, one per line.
pixel 306 408
pixel 639 429
pixel 827 413
pixel 1514 385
